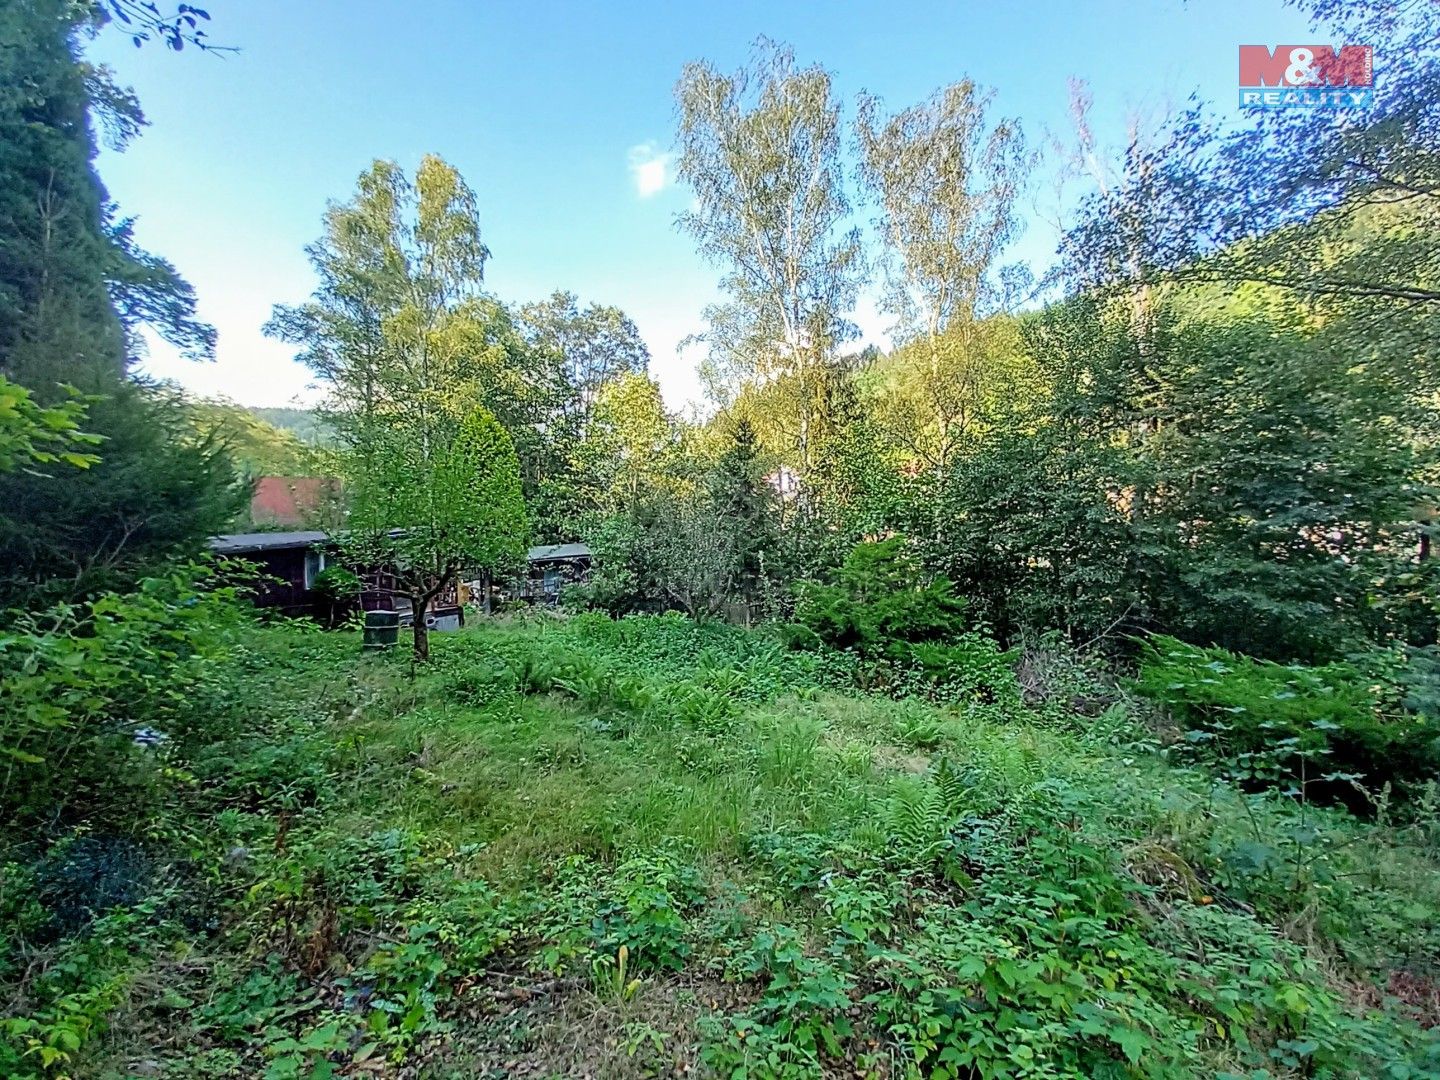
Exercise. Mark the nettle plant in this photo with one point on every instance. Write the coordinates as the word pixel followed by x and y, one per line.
pixel 98 695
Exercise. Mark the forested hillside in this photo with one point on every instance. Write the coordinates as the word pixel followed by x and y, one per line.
pixel 255 445
pixel 302 423
pixel 1052 693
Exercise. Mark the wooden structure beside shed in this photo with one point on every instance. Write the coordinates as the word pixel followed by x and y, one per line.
pixel 550 567
pixel 288 562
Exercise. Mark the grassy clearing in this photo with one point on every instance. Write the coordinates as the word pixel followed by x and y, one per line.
pixel 641 848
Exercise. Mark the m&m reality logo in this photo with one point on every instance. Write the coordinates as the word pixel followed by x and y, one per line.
pixel 1307 77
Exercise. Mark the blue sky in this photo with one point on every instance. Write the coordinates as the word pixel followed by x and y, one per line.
pixel 559 114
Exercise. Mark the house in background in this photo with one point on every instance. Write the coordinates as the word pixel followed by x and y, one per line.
pixel 288 562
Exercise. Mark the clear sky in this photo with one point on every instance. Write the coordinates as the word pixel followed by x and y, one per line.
pixel 560 114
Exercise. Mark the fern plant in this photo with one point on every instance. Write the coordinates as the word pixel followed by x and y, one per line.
pixel 918 819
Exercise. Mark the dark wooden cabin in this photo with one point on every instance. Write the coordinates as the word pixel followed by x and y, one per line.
pixel 290 562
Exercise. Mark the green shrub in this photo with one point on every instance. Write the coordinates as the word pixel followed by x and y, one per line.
pixel 95 695
pixel 336 583
pixel 880 604
pixel 1321 725
pixel 969 668
pixel 909 634
pixel 66 1004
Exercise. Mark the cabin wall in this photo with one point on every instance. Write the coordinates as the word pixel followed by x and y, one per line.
pixel 279 585
pixel 280 582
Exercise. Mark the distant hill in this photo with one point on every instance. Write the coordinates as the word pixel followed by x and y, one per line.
pixel 258 447
pixel 302 423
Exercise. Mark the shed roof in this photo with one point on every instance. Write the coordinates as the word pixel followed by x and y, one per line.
pixel 240 543
pixel 551 552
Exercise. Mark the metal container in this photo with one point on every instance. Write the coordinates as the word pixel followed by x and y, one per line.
pixel 382 629
pixel 445 618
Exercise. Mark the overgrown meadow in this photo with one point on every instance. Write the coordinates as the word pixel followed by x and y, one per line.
pixel 578 846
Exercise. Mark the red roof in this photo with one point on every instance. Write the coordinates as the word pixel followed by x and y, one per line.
pixel 290 500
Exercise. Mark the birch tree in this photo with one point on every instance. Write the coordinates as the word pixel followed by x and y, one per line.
pixel 944 182
pixel 760 148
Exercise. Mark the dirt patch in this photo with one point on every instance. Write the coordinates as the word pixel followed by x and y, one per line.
pixel 1416 995
pixel 895 759
pixel 565 1028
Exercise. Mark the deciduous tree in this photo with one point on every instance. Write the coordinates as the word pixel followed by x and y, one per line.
pixel 596 345
pixel 761 151
pixel 945 183
pixel 430 504
pixel 411 352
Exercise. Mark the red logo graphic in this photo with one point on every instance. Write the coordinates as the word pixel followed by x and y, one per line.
pixel 1307 65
